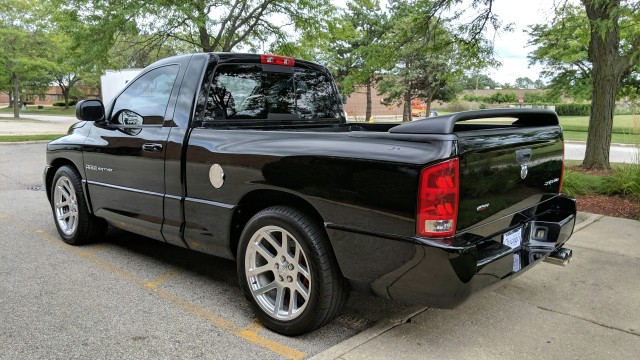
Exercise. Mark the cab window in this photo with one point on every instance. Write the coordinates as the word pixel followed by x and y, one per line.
pixel 247 92
pixel 148 95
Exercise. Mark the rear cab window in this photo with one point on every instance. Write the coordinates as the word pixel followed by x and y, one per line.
pixel 262 94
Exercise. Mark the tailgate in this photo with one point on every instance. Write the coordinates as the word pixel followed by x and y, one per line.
pixel 509 159
pixel 506 170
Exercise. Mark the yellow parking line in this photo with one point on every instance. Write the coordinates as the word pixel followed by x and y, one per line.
pixel 250 334
pixel 95 249
pixel 160 279
pixel 254 326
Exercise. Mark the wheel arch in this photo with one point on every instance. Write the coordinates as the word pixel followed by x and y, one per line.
pixel 257 200
pixel 55 165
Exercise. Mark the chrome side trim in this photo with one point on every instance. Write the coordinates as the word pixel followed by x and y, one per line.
pixel 124 188
pixel 200 201
pixel 209 202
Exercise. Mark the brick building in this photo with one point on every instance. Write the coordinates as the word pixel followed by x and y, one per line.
pixel 356 105
pixel 53 94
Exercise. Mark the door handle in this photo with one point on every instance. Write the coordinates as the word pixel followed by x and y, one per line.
pixel 152 147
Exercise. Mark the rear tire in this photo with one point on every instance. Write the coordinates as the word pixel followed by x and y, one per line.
pixel 288 273
pixel 75 224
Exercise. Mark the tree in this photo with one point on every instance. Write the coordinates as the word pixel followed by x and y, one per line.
pixel 524 83
pixel 597 50
pixel 67 70
pixel 22 46
pixel 362 61
pixel 539 84
pixel 476 80
pixel 223 25
pixel 430 48
pixel 562 47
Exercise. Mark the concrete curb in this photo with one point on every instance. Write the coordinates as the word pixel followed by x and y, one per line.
pixel 25 142
pixel 383 325
pixel 585 219
pixel 612 144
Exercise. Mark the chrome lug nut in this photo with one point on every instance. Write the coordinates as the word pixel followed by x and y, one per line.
pixel 290 266
pixel 289 279
pixel 281 278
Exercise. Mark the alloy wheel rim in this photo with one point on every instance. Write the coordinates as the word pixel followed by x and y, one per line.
pixel 66 205
pixel 278 273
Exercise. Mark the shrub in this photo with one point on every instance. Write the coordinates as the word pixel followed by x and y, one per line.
pixel 542 98
pixel 496 98
pixel 573 109
pixel 575 183
pixel 472 98
pixel 501 98
pixel 61 103
pixel 457 106
pixel 624 180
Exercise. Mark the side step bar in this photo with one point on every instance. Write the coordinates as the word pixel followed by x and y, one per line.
pixel 560 257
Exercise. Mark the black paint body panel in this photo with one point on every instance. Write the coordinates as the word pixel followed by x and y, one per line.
pixel 361 181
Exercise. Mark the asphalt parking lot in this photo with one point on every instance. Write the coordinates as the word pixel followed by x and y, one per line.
pixel 130 298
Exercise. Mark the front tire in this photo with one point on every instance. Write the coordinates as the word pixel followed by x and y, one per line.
pixel 288 273
pixel 75 224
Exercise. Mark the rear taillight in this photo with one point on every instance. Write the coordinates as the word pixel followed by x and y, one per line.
pixel 277 60
pixel 561 170
pixel 438 197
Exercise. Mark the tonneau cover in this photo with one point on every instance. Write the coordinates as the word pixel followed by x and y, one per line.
pixel 444 124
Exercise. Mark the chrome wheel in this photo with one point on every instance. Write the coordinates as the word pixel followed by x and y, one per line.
pixel 277 273
pixel 65 205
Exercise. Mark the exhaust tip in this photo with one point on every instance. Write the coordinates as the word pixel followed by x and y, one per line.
pixel 560 257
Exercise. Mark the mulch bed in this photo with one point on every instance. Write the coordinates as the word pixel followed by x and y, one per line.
pixel 609 205
pixel 616 206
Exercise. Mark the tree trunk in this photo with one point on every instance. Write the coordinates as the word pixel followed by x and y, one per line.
pixel 65 94
pixel 16 91
pixel 368 111
pixel 205 39
pixel 406 111
pixel 606 77
pixel 603 102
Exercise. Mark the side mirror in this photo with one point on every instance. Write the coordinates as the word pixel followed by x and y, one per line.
pixel 90 110
pixel 344 98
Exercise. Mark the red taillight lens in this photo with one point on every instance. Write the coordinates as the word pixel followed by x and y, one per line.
pixel 438 197
pixel 277 60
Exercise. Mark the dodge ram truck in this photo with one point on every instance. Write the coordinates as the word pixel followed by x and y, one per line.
pixel 251 158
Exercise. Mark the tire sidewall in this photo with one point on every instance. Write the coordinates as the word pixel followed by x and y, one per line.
pixel 73 179
pixel 308 316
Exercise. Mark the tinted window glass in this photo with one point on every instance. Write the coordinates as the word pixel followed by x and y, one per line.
pixel 148 95
pixel 246 92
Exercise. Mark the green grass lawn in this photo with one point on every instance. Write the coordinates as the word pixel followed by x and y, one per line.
pixel 626 128
pixel 17 138
pixel 615 137
pixel 47 110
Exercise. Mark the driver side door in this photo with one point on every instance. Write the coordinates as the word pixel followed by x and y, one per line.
pixel 124 156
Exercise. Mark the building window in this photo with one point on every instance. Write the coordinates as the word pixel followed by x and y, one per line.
pixel 41 98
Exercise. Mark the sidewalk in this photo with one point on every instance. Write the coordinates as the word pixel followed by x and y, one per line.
pixel 35 124
pixel 587 310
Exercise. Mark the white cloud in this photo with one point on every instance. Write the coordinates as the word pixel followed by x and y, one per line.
pixel 512 47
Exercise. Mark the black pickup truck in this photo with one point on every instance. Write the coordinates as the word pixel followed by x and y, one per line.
pixel 251 157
